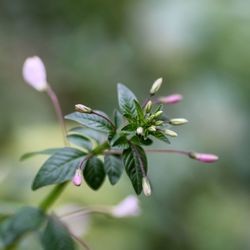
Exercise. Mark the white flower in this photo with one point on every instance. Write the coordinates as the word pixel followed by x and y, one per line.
pixel 34 73
pixel 156 86
pixel 127 207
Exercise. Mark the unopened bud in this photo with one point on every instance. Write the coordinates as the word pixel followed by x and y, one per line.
pixel 77 179
pixel 207 158
pixel 146 186
pixel 178 121
pixel 158 113
pixel 159 123
pixel 152 129
pixel 148 106
pixel 156 86
pixel 82 108
pixel 34 73
pixel 139 131
pixel 171 99
pixel 170 133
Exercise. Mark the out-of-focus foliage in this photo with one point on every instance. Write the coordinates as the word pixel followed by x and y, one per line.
pixel 201 50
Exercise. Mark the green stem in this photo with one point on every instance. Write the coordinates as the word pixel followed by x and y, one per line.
pixel 101 148
pixel 52 196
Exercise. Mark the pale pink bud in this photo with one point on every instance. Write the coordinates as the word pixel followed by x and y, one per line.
pixel 171 99
pixel 207 158
pixel 127 207
pixel 77 179
pixel 34 73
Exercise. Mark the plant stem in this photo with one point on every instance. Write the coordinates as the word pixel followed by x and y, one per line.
pixel 58 111
pixel 104 117
pixel 52 196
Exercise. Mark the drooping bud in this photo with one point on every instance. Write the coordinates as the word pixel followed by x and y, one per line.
pixel 159 123
pixel 127 207
pixel 82 108
pixel 34 73
pixel 178 121
pixel 152 128
pixel 170 133
pixel 146 186
pixel 206 158
pixel 139 131
pixel 171 99
pixel 156 86
pixel 77 179
pixel 148 106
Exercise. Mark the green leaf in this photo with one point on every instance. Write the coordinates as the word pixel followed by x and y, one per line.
pixel 139 139
pixel 94 173
pixel 126 100
pixel 130 128
pixel 139 110
pixel 25 220
pixel 49 151
pixel 119 142
pixel 133 159
pixel 113 168
pixel 161 136
pixel 92 121
pixel 80 140
pixel 59 168
pixel 118 118
pixel 56 236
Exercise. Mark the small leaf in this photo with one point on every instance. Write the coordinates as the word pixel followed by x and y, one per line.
pixel 56 236
pixel 94 173
pixel 139 110
pixel 139 139
pixel 161 136
pixel 113 168
pixel 49 151
pixel 59 168
pixel 118 118
pixel 133 159
pixel 80 140
pixel 91 120
pixel 126 100
pixel 119 142
pixel 25 220
pixel 130 128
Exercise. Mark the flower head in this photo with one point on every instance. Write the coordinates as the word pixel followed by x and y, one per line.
pixel 34 73
pixel 178 121
pixel 127 207
pixel 207 158
pixel 139 131
pixel 82 108
pixel 171 99
pixel 77 179
pixel 156 86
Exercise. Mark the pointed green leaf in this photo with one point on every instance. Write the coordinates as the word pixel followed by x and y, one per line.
pixel 91 120
pixel 56 236
pixel 80 140
pixel 133 159
pixel 126 100
pixel 49 151
pixel 161 136
pixel 118 118
pixel 139 110
pixel 25 220
pixel 59 168
pixel 94 173
pixel 113 168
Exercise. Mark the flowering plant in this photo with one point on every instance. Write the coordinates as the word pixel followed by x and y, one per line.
pixel 97 147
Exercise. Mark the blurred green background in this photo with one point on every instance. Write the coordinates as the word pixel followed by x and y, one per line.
pixel 200 48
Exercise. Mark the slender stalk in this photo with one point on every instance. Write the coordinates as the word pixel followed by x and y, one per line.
pixel 58 111
pixel 81 242
pixel 104 117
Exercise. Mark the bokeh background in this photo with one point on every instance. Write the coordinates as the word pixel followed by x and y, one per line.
pixel 200 48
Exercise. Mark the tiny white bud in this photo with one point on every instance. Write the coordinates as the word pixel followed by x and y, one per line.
pixel 152 128
pixel 158 123
pixel 146 186
pixel 34 73
pixel 170 133
pixel 139 131
pixel 156 86
pixel 158 113
pixel 82 108
pixel 148 106
pixel 178 121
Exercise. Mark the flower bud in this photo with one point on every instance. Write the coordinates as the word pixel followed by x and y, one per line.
pixel 77 179
pixel 178 121
pixel 156 86
pixel 152 128
pixel 146 186
pixel 170 133
pixel 159 123
pixel 148 106
pixel 126 208
pixel 158 113
pixel 139 131
pixel 34 73
pixel 171 99
pixel 207 158
pixel 82 108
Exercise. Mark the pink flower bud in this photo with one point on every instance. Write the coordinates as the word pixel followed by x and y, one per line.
pixel 127 207
pixel 34 73
pixel 77 179
pixel 171 99
pixel 207 158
